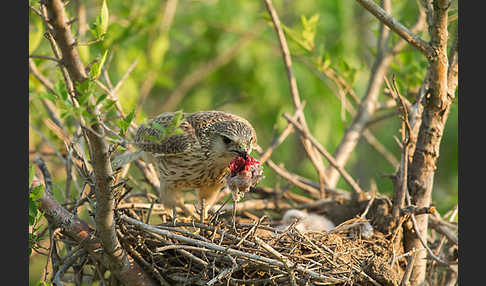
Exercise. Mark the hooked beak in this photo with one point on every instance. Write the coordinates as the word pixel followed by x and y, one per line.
pixel 241 153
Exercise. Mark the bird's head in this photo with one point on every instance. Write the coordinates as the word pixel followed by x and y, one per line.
pixel 293 215
pixel 232 139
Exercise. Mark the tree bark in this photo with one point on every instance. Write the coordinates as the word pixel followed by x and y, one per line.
pixel 126 270
pixel 436 110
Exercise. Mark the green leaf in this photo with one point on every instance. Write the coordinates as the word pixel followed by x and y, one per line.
pixel 309 30
pixel 158 126
pixel 37 192
pixel 84 87
pixel 151 138
pixel 100 26
pixel 48 95
pixel 176 121
pixel 31 173
pixel 104 17
pixel 60 89
pixel 95 70
pixel 108 104
pixel 123 126
pixel 130 117
pixel 32 212
pixel 101 98
pixel 83 98
pixel 296 37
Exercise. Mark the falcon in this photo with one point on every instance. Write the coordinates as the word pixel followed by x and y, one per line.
pixel 193 151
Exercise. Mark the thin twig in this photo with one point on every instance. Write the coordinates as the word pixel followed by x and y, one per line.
pixel 310 150
pixel 286 132
pixel 326 154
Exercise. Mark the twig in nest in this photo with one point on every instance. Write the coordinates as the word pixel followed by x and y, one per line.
pixel 252 230
pixel 253 257
pixel 225 272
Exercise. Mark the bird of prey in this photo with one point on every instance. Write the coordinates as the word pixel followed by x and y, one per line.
pixel 196 154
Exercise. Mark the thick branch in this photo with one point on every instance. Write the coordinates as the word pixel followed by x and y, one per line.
pixel 65 40
pixel 79 231
pixel 436 110
pixel 121 264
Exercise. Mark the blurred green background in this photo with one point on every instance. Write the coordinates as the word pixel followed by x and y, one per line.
pixel 233 54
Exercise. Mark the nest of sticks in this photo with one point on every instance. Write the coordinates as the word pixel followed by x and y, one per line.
pixel 257 252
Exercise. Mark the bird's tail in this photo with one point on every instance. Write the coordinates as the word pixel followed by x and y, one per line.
pixel 125 158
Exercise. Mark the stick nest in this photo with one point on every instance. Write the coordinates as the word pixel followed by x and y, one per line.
pixel 258 253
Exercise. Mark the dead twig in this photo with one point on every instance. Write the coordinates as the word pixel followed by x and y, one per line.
pixel 326 154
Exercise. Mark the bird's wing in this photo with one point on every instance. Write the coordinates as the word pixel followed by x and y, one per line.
pixel 150 136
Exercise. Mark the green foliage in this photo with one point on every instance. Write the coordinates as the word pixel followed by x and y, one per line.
pixel 95 70
pixel 125 123
pixel 171 129
pixel 305 34
pixel 100 26
pixel 35 193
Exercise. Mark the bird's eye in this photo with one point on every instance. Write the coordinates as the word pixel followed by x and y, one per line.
pixel 226 140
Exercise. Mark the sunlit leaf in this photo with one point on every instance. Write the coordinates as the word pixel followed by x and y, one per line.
pixel 101 98
pixel 104 17
pixel 31 173
pixel 37 192
pixel 95 70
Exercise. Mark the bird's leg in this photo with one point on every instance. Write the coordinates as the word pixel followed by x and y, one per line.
pixel 174 215
pixel 188 212
pixel 207 196
pixel 234 215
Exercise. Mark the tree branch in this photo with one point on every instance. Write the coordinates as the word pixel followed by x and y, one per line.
pixel 311 151
pixel 367 106
pixel 121 264
pixel 65 40
pixel 326 154
pixel 396 26
pixel 434 116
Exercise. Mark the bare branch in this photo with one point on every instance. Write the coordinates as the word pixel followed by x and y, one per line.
pixel 396 26
pixel 65 40
pixel 326 154
pixel 287 131
pixel 311 151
